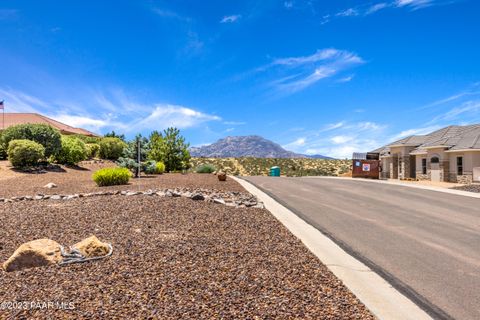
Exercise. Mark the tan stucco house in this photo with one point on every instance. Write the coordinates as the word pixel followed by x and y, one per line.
pixel 451 154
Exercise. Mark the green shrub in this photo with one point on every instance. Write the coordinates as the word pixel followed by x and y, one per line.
pixel 205 168
pixel 111 148
pixel 93 150
pixel 149 167
pixel 3 150
pixel 47 136
pixel 159 168
pixel 25 153
pixel 73 151
pixel 111 176
pixel 87 139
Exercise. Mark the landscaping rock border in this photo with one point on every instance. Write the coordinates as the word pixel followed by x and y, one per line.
pixel 231 198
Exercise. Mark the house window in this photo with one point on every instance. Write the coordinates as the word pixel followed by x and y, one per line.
pixel 424 166
pixel 460 166
pixel 435 160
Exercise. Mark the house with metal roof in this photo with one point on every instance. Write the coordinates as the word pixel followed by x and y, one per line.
pixel 451 154
pixel 12 119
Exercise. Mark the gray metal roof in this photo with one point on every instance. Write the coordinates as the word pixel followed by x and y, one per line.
pixel 452 137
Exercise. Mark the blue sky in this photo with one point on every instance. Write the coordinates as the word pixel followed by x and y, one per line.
pixel 318 77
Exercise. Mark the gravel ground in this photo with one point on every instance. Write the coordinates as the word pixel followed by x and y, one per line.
pixel 173 258
pixel 70 180
pixel 469 187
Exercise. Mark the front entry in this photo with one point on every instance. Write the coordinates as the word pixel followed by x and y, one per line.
pixel 435 175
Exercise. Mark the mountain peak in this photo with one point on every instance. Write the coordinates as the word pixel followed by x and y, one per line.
pixel 244 146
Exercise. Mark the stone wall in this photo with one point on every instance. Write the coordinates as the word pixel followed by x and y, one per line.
pixel 466 178
pixel 421 176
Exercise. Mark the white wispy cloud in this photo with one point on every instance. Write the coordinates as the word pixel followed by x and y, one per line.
pixel 83 122
pixel 341 139
pixel 295 144
pixel 288 4
pixel 414 132
pixel 230 19
pixel 346 79
pixel 297 73
pixel 415 4
pixel 167 115
pixel 369 8
pixel 234 123
pixel 170 14
pixel 112 109
pixel 350 12
pixel 376 7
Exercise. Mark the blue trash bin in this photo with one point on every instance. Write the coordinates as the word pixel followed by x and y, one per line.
pixel 275 171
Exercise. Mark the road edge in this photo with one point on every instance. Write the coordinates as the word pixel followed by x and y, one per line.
pixel 403 184
pixel 380 297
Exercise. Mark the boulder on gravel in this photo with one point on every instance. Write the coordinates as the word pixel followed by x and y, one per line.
pixel 50 185
pixel 222 176
pixel 197 196
pixel 92 247
pixel 36 253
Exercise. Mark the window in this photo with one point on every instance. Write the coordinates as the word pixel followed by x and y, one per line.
pixel 435 160
pixel 424 166
pixel 460 166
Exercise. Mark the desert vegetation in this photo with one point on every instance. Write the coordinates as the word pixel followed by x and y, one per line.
pixel 289 167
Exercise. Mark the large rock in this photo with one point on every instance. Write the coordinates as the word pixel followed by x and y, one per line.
pixel 37 253
pixel 92 247
pixel 222 176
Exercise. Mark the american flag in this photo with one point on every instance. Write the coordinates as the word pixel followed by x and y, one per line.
pixel 2 106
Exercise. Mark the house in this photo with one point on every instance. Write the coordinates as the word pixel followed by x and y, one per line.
pixel 451 154
pixel 12 119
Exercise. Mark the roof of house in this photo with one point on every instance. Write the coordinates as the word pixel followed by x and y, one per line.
pixel 451 137
pixel 12 119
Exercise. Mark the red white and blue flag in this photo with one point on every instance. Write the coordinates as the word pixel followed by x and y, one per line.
pixel 2 106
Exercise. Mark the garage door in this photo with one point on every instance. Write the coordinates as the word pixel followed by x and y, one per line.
pixel 476 174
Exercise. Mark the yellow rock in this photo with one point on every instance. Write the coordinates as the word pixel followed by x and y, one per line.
pixel 92 247
pixel 36 253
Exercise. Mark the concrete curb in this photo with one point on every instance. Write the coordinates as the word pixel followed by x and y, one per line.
pixel 379 296
pixel 408 185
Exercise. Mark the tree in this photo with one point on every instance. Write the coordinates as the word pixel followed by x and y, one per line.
pixel 129 158
pixel 170 148
pixel 113 134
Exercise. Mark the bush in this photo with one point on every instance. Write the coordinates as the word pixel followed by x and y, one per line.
pixel 153 167
pixel 149 167
pixel 73 151
pixel 111 148
pixel 3 150
pixel 87 139
pixel 170 148
pixel 93 150
pixel 43 134
pixel 25 153
pixel 205 168
pixel 159 168
pixel 111 176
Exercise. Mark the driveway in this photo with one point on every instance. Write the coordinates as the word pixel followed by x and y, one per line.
pixel 425 243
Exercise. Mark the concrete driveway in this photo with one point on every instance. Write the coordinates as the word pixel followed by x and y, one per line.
pixel 425 243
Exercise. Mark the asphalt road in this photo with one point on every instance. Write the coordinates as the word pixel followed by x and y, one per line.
pixel 425 243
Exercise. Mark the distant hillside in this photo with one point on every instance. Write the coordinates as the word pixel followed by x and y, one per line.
pixel 245 146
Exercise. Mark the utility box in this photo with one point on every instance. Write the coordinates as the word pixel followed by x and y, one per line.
pixel 274 171
pixel 366 165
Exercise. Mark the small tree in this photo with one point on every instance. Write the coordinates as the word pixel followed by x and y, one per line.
pixel 170 148
pixel 130 155
pixel 113 134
